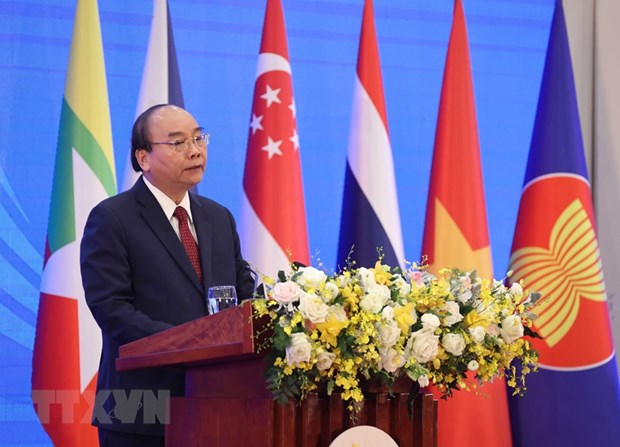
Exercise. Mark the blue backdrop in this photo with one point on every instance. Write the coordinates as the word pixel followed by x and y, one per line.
pixel 217 46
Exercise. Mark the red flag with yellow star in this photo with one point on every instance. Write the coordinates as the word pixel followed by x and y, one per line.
pixel 456 234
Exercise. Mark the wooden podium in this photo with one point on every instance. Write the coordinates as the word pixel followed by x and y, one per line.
pixel 226 403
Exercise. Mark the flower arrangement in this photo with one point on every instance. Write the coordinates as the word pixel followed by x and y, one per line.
pixel 332 332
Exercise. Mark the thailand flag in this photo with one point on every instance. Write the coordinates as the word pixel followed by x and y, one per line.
pixel 574 399
pixel 273 214
pixel 370 218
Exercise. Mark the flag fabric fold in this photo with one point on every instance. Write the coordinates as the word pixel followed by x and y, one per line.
pixel 68 342
pixel 574 399
pixel 456 234
pixel 161 82
pixel 273 215
pixel 370 218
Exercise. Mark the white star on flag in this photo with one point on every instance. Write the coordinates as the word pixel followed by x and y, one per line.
pixel 271 95
pixel 293 108
pixel 272 147
pixel 255 124
pixel 295 139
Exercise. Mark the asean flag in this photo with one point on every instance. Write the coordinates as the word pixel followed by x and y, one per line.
pixel 574 398
pixel 273 214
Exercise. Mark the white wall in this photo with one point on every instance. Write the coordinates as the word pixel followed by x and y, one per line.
pixel 594 37
pixel 606 162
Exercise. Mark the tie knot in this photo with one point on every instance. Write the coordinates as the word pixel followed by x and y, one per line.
pixel 180 214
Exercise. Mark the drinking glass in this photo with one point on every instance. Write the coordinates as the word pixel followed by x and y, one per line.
pixel 220 298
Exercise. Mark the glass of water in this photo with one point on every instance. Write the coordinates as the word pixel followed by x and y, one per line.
pixel 220 298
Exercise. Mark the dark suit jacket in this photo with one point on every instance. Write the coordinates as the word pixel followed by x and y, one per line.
pixel 138 281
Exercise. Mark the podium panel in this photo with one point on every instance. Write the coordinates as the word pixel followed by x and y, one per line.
pixel 226 403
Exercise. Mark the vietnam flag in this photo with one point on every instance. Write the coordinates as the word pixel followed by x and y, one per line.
pixel 456 234
pixel 370 216
pixel 68 342
pixel 273 213
pixel 574 398
pixel 161 83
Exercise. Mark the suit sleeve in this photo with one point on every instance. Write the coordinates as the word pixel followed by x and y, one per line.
pixel 107 279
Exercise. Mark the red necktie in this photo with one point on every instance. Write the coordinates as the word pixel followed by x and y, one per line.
pixel 188 241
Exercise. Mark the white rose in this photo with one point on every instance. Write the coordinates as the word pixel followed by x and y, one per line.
pixel 430 322
pixel 493 330
pixel 465 281
pixel 336 313
pixel 464 292
pixel 391 360
pixel 286 292
pixel 343 281
pixel 498 286
pixel 366 278
pixel 473 365
pixel 464 296
pixel 403 286
pixel 453 343
pixel 298 350
pixel 388 334
pixel 312 307
pixel 388 313
pixel 375 298
pixel 512 328
pixel 477 333
pixel 516 289
pixel 311 277
pixel 423 381
pixel 371 303
pixel 324 360
pixel 330 291
pixel 454 315
pixel 422 346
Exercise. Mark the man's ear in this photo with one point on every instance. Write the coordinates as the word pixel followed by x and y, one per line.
pixel 143 156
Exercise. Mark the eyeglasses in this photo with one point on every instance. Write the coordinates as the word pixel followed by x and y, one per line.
pixel 182 145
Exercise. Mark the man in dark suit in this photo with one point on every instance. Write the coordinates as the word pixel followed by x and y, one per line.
pixel 143 273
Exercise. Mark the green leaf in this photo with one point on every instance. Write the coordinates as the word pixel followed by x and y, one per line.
pixel 535 296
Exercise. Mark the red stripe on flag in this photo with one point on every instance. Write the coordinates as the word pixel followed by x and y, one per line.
pixel 368 63
pixel 65 412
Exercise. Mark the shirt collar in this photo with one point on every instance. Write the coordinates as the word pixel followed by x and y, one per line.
pixel 166 203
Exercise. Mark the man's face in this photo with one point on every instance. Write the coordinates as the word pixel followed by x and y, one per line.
pixel 171 171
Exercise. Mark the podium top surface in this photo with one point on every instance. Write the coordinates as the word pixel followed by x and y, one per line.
pixel 225 336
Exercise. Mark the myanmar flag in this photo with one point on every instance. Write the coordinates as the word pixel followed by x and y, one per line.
pixel 68 341
pixel 456 234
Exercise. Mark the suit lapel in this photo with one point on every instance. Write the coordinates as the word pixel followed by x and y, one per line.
pixel 156 219
pixel 203 227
